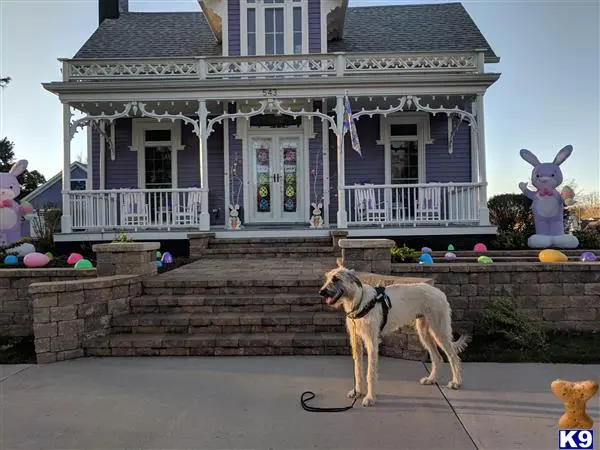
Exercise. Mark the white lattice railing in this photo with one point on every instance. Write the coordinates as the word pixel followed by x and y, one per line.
pixel 413 204
pixel 231 67
pixel 136 209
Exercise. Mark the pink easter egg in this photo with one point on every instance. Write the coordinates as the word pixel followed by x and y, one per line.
pixel 35 260
pixel 480 248
pixel 73 258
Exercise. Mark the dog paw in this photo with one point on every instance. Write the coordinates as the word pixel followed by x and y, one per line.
pixel 427 380
pixel 354 393
pixel 368 401
pixel 453 385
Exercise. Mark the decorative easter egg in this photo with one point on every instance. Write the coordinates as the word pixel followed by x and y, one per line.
pixel 552 256
pixel 83 264
pixel 21 250
pixel 35 260
pixel 425 250
pixel 588 257
pixel 73 258
pixel 451 248
pixel 158 264
pixel 568 195
pixel 158 255
pixel 167 258
pixel 480 248
pixel 484 260
pixel 450 256
pixel 50 256
pixel 11 260
pixel 425 258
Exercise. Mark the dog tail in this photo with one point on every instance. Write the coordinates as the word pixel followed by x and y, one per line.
pixel 461 343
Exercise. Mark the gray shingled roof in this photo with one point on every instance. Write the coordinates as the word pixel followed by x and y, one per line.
pixel 397 28
pixel 442 27
pixel 152 35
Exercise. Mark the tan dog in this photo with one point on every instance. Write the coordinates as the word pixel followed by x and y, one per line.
pixel 425 303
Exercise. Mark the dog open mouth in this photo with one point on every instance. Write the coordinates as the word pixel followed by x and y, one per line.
pixel 331 300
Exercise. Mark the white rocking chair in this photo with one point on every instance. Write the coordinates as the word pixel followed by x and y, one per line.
pixel 428 207
pixel 187 212
pixel 134 210
pixel 368 209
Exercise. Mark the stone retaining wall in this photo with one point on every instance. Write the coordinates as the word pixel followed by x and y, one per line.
pixel 564 296
pixel 66 314
pixel 16 311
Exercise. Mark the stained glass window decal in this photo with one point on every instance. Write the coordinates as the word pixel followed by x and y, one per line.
pixel 290 182
pixel 263 172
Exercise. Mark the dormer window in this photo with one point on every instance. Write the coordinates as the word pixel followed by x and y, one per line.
pixel 274 27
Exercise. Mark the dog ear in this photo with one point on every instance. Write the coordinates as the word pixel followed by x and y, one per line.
pixel 340 263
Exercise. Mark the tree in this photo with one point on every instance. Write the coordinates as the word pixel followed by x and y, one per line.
pixel 29 180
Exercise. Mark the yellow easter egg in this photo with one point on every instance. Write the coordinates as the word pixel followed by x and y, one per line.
pixel 552 256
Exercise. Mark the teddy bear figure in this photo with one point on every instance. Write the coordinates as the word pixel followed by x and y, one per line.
pixel 548 205
pixel 11 213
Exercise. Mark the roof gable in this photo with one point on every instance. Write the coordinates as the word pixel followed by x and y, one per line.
pixel 75 166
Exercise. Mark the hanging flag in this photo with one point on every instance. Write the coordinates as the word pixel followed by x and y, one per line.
pixel 349 125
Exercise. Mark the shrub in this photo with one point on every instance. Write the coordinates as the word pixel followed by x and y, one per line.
pixel 502 321
pixel 511 212
pixel 589 238
pixel 404 254
pixel 45 223
pixel 123 237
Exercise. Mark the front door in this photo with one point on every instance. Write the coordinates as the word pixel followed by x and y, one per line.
pixel 276 178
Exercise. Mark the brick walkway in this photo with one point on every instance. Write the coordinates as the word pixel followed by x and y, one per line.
pixel 251 269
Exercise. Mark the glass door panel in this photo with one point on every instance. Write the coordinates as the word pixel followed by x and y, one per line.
pixel 262 177
pixel 288 152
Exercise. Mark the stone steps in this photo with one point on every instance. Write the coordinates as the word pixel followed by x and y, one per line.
pixel 219 344
pixel 270 242
pixel 223 323
pixel 268 252
pixel 510 253
pixel 299 301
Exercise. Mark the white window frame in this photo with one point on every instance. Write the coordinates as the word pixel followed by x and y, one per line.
pixel 85 180
pixel 139 128
pixel 423 137
pixel 288 6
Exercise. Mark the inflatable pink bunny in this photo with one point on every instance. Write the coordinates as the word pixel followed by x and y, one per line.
pixel 548 204
pixel 11 213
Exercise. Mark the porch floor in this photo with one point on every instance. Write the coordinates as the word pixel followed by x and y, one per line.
pixel 286 230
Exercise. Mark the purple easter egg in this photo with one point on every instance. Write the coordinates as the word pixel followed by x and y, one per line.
pixel 167 258
pixel 588 257
pixel 450 256
pixel 35 260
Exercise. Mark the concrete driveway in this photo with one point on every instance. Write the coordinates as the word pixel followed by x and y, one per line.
pixel 226 403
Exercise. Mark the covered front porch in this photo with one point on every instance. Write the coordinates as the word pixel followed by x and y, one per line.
pixel 279 165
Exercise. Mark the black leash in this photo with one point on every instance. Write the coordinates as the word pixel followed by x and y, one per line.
pixel 311 395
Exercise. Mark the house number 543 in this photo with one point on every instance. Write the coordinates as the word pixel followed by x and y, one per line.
pixel 269 92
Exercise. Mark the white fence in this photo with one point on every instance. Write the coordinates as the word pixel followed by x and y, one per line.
pixel 136 209
pixel 413 204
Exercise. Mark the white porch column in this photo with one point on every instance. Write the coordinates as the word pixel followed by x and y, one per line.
pixel 325 145
pixel 203 158
pixel 342 217
pixel 484 212
pixel 90 162
pixel 65 222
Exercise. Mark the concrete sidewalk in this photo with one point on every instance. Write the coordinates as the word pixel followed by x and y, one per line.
pixel 210 403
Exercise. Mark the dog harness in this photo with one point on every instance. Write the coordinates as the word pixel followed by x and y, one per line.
pixel 380 297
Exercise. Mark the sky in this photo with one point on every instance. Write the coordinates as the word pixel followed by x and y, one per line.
pixel 548 94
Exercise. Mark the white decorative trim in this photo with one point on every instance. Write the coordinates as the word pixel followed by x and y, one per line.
pixel 456 110
pixel 276 105
pixel 170 116
pixel 80 123
pixel 234 116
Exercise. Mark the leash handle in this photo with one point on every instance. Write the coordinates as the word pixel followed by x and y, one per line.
pixel 309 395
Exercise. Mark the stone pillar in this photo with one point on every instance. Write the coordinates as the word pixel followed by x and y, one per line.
pixel 199 243
pixel 126 258
pixel 336 235
pixel 367 255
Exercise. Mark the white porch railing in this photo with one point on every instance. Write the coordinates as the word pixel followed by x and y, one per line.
pixel 136 209
pixel 234 67
pixel 413 204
